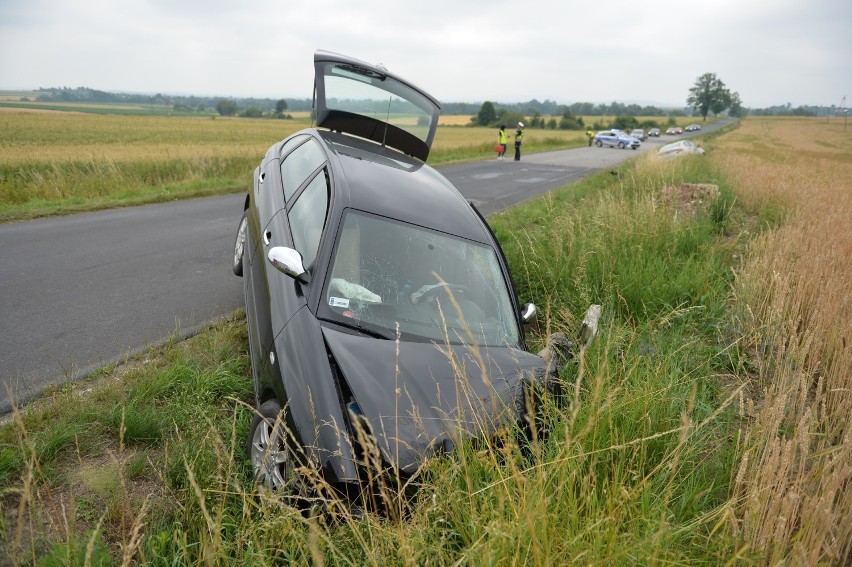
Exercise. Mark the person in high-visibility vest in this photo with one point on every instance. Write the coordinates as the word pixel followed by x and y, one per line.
pixel 590 135
pixel 519 137
pixel 504 139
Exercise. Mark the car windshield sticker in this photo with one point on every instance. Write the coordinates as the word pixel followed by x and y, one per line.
pixel 353 291
pixel 338 302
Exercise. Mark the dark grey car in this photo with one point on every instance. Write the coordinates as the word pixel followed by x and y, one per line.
pixel 375 295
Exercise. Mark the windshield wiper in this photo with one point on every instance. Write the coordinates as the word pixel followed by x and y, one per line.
pixel 364 330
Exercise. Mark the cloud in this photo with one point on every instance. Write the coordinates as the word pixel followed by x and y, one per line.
pixel 770 52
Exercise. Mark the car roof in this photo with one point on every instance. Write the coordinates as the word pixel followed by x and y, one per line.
pixel 369 101
pixel 679 143
pixel 382 181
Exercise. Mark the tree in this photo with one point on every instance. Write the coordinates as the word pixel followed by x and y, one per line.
pixel 569 121
pixel 736 106
pixel 625 123
pixel 280 106
pixel 721 101
pixel 536 121
pixel 226 107
pixel 707 94
pixel 510 118
pixel 487 115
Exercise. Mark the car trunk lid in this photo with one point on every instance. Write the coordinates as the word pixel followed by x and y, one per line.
pixel 368 101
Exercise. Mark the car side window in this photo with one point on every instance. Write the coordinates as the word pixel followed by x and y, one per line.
pixel 307 218
pixel 298 166
pixel 290 144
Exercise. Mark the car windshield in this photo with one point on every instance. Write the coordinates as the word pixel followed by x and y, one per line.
pixel 395 279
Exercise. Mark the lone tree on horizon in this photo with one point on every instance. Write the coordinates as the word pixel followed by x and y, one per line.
pixel 709 94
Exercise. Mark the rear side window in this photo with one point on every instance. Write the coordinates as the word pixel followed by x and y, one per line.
pixel 299 165
pixel 307 218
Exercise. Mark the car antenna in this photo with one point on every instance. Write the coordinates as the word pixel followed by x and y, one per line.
pixel 384 69
pixel 387 120
pixel 314 106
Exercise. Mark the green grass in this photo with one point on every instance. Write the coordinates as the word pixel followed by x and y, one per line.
pixel 636 470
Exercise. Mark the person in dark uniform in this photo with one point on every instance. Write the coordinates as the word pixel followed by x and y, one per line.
pixel 519 138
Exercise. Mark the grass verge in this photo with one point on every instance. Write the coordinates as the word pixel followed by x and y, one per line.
pixel 637 468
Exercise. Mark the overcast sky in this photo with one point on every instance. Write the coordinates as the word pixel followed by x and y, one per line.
pixel 769 51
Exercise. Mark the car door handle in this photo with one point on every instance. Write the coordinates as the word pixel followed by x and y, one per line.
pixel 267 234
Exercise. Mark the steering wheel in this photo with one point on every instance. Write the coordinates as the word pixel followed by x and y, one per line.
pixel 429 295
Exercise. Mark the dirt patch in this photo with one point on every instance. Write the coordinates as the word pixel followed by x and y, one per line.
pixel 101 493
pixel 687 199
pixel 35 110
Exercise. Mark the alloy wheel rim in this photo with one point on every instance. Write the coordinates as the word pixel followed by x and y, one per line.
pixel 241 239
pixel 270 457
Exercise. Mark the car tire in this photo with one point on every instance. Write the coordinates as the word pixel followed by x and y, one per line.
pixel 599 144
pixel 272 460
pixel 240 245
pixel 621 145
pixel 532 400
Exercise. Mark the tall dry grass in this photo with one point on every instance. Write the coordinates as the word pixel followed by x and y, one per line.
pixel 792 499
pixel 61 162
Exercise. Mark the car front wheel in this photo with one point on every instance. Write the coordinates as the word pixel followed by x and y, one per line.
pixel 271 458
pixel 599 144
pixel 620 145
pixel 240 244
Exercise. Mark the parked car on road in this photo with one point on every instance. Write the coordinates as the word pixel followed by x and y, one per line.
pixel 692 128
pixel 639 134
pixel 615 139
pixel 674 130
pixel 654 132
pixel 377 298
pixel 680 148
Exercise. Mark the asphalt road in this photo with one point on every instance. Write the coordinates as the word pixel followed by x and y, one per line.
pixel 84 291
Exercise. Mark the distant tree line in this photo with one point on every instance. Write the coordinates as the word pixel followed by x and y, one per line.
pixel 251 107
pixel 789 110
pixel 708 94
pixel 233 106
pixel 495 112
pixel 551 116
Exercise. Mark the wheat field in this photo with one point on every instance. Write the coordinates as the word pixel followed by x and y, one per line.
pixel 794 302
